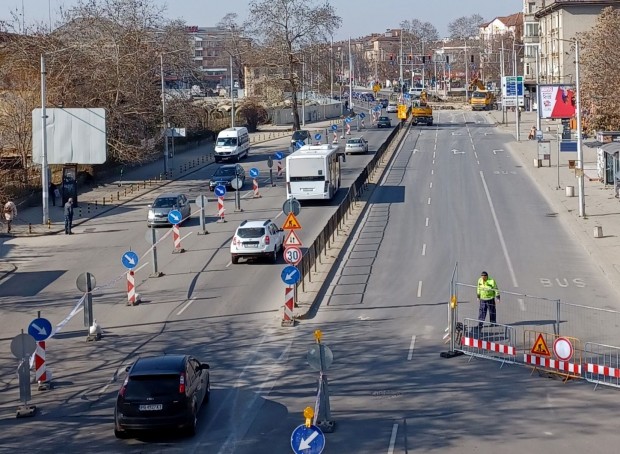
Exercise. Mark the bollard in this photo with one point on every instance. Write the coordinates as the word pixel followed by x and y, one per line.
pixel 29 227
pixel 150 182
pixel 79 212
pixel 103 202
pixel 118 195
pixel 88 208
pixel 131 188
pixel 125 192
pixel 96 204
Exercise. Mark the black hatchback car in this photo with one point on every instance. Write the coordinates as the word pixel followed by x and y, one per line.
pixel 162 392
pixel 225 174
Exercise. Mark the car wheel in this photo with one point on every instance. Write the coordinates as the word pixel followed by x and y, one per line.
pixel 234 259
pixel 190 429
pixel 121 434
pixel 207 396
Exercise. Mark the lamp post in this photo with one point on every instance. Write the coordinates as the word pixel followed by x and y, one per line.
pixel 44 167
pixel 580 176
pixel 163 110
pixel 232 94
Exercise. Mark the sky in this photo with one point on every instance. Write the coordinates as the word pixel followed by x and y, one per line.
pixel 359 17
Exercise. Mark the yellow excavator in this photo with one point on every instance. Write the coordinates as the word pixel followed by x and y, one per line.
pixel 421 112
pixel 481 98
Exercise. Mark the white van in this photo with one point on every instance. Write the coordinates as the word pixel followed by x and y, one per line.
pixel 232 143
pixel 415 92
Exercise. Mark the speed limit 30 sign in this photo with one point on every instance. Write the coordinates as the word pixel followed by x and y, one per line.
pixel 292 255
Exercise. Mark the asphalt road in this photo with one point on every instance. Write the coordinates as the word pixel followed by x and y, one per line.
pixel 453 193
pixel 226 315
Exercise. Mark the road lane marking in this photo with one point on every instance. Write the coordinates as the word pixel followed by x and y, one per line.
pixel 426 222
pixel 411 347
pixel 432 171
pixel 419 289
pixel 424 249
pixel 521 304
pixel 429 201
pixel 188 304
pixel 393 439
pixel 431 185
pixel 499 232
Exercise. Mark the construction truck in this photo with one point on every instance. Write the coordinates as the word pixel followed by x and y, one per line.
pixel 481 98
pixel 421 112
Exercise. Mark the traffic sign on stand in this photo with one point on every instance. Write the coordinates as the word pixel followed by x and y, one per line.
pixel 290 275
pixel 220 190
pixel 291 205
pixel 540 347
pixel 254 172
pixel 23 345
pixel 562 348
pixel 362 115
pixel 292 255
pixel 291 222
pixel 279 155
pixel 334 127
pixel 300 143
pixel 130 260
pixel 307 440
pixel 317 136
pixel 292 240
pixel 40 329
pixel 175 217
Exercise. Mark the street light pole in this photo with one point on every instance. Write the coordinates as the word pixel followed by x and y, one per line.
pixel 163 110
pixel 514 70
pixel 232 95
pixel 580 175
pixel 303 93
pixel 44 166
pixel 538 126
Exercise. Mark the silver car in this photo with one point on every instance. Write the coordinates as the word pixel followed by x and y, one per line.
pixel 356 145
pixel 164 204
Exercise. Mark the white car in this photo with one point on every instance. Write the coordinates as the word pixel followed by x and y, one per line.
pixel 255 239
pixel 356 145
pixel 392 108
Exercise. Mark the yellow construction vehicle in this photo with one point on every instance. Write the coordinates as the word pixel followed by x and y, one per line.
pixel 421 112
pixel 481 98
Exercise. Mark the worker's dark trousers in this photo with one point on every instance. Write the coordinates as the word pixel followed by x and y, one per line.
pixel 482 312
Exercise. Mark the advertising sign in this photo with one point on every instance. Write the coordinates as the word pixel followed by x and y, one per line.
pixel 557 101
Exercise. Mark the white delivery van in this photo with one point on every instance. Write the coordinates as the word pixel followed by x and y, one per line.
pixel 232 143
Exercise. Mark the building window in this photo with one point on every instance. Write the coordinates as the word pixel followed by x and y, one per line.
pixel 531 7
pixel 530 51
pixel 528 69
pixel 531 29
pixel 198 53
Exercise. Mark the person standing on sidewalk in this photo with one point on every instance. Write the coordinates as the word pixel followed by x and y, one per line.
pixel 69 216
pixel 487 293
pixel 10 213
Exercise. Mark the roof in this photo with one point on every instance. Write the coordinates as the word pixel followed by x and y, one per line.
pixel 514 20
pixel 159 364
pixel 559 4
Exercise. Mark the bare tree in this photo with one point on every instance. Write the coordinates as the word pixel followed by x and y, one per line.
pixel 465 27
pixel 238 45
pixel 420 31
pixel 599 56
pixel 285 27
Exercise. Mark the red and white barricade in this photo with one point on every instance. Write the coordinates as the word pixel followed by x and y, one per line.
pixel 220 209
pixel 255 188
pixel 494 341
pixel 551 363
pixel 602 364
pixel 176 239
pixel 131 288
pixel 279 169
pixel 289 304
pixel 40 370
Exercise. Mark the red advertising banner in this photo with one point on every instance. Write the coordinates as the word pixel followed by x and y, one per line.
pixel 557 101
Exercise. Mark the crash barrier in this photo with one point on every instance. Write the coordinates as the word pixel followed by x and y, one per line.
pixel 557 354
pixel 602 364
pixel 324 239
pixel 493 341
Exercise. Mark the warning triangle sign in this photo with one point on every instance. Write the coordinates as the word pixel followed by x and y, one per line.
pixel 540 347
pixel 291 222
pixel 292 240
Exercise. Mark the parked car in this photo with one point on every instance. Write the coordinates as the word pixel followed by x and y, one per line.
pixel 225 174
pixel 392 108
pixel 356 145
pixel 161 392
pixel 384 122
pixel 164 204
pixel 254 239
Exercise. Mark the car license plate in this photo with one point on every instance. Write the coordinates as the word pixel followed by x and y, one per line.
pixel 153 407
pixel 250 244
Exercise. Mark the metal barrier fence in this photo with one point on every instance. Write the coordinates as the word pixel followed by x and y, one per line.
pixel 602 364
pixel 324 239
pixel 492 341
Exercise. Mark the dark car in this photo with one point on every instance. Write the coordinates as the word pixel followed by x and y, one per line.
pixel 301 134
pixel 225 174
pixel 384 122
pixel 164 204
pixel 384 102
pixel 162 392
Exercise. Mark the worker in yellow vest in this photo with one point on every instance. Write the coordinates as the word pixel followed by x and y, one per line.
pixel 487 292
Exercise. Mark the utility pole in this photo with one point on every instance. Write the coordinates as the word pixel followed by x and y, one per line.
pixel 303 93
pixel 331 69
pixel 232 95
pixel 514 71
pixel 401 63
pixel 466 75
pixel 163 111
pixel 503 74
pixel 423 65
pixel 580 176
pixel 538 126
pixel 350 77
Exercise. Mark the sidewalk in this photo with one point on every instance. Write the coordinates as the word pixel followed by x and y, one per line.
pixel 602 209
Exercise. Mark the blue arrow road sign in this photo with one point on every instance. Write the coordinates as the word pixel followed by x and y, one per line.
pixel 307 440
pixel 220 190
pixel 174 217
pixel 334 127
pixel 300 143
pixel 347 120
pixel 279 155
pixel 317 136
pixel 290 275
pixel 377 108
pixel 362 115
pixel 130 260
pixel 40 329
pixel 254 172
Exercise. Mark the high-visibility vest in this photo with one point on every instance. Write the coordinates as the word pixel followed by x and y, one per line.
pixel 487 290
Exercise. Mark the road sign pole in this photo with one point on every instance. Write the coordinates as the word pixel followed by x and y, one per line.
pixel 155 273
pixel 203 230
pixel 323 419
pixel 271 176
pixel 88 303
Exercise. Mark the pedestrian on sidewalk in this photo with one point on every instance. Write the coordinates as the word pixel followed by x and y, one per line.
pixel 53 193
pixel 69 216
pixel 10 213
pixel 532 134
pixel 487 293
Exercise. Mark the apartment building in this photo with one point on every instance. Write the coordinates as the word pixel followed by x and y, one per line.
pixel 210 55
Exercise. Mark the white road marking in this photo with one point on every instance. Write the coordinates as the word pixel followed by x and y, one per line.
pixel 429 201
pixel 419 289
pixel 433 162
pixel 432 171
pixel 393 439
pixel 188 304
pixel 426 222
pixel 433 155
pixel 430 185
pixel 521 304
pixel 499 232
pixel 411 347
pixel 424 249
pixel 140 267
pixel 182 238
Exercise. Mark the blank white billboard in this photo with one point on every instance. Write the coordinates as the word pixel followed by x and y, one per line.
pixel 76 136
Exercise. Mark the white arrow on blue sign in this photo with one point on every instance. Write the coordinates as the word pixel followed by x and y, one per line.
pixel 334 127
pixel 175 217
pixel 130 260
pixel 347 120
pixel 220 190
pixel 290 275
pixel 317 137
pixel 279 155
pixel 254 172
pixel 362 115
pixel 40 329
pixel 307 440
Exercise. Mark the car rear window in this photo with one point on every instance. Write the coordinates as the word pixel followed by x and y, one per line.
pixel 354 141
pixel 384 119
pixel 251 232
pixel 145 386
pixel 300 135
pixel 224 171
pixel 164 202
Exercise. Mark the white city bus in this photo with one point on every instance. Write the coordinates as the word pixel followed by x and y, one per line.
pixel 313 172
